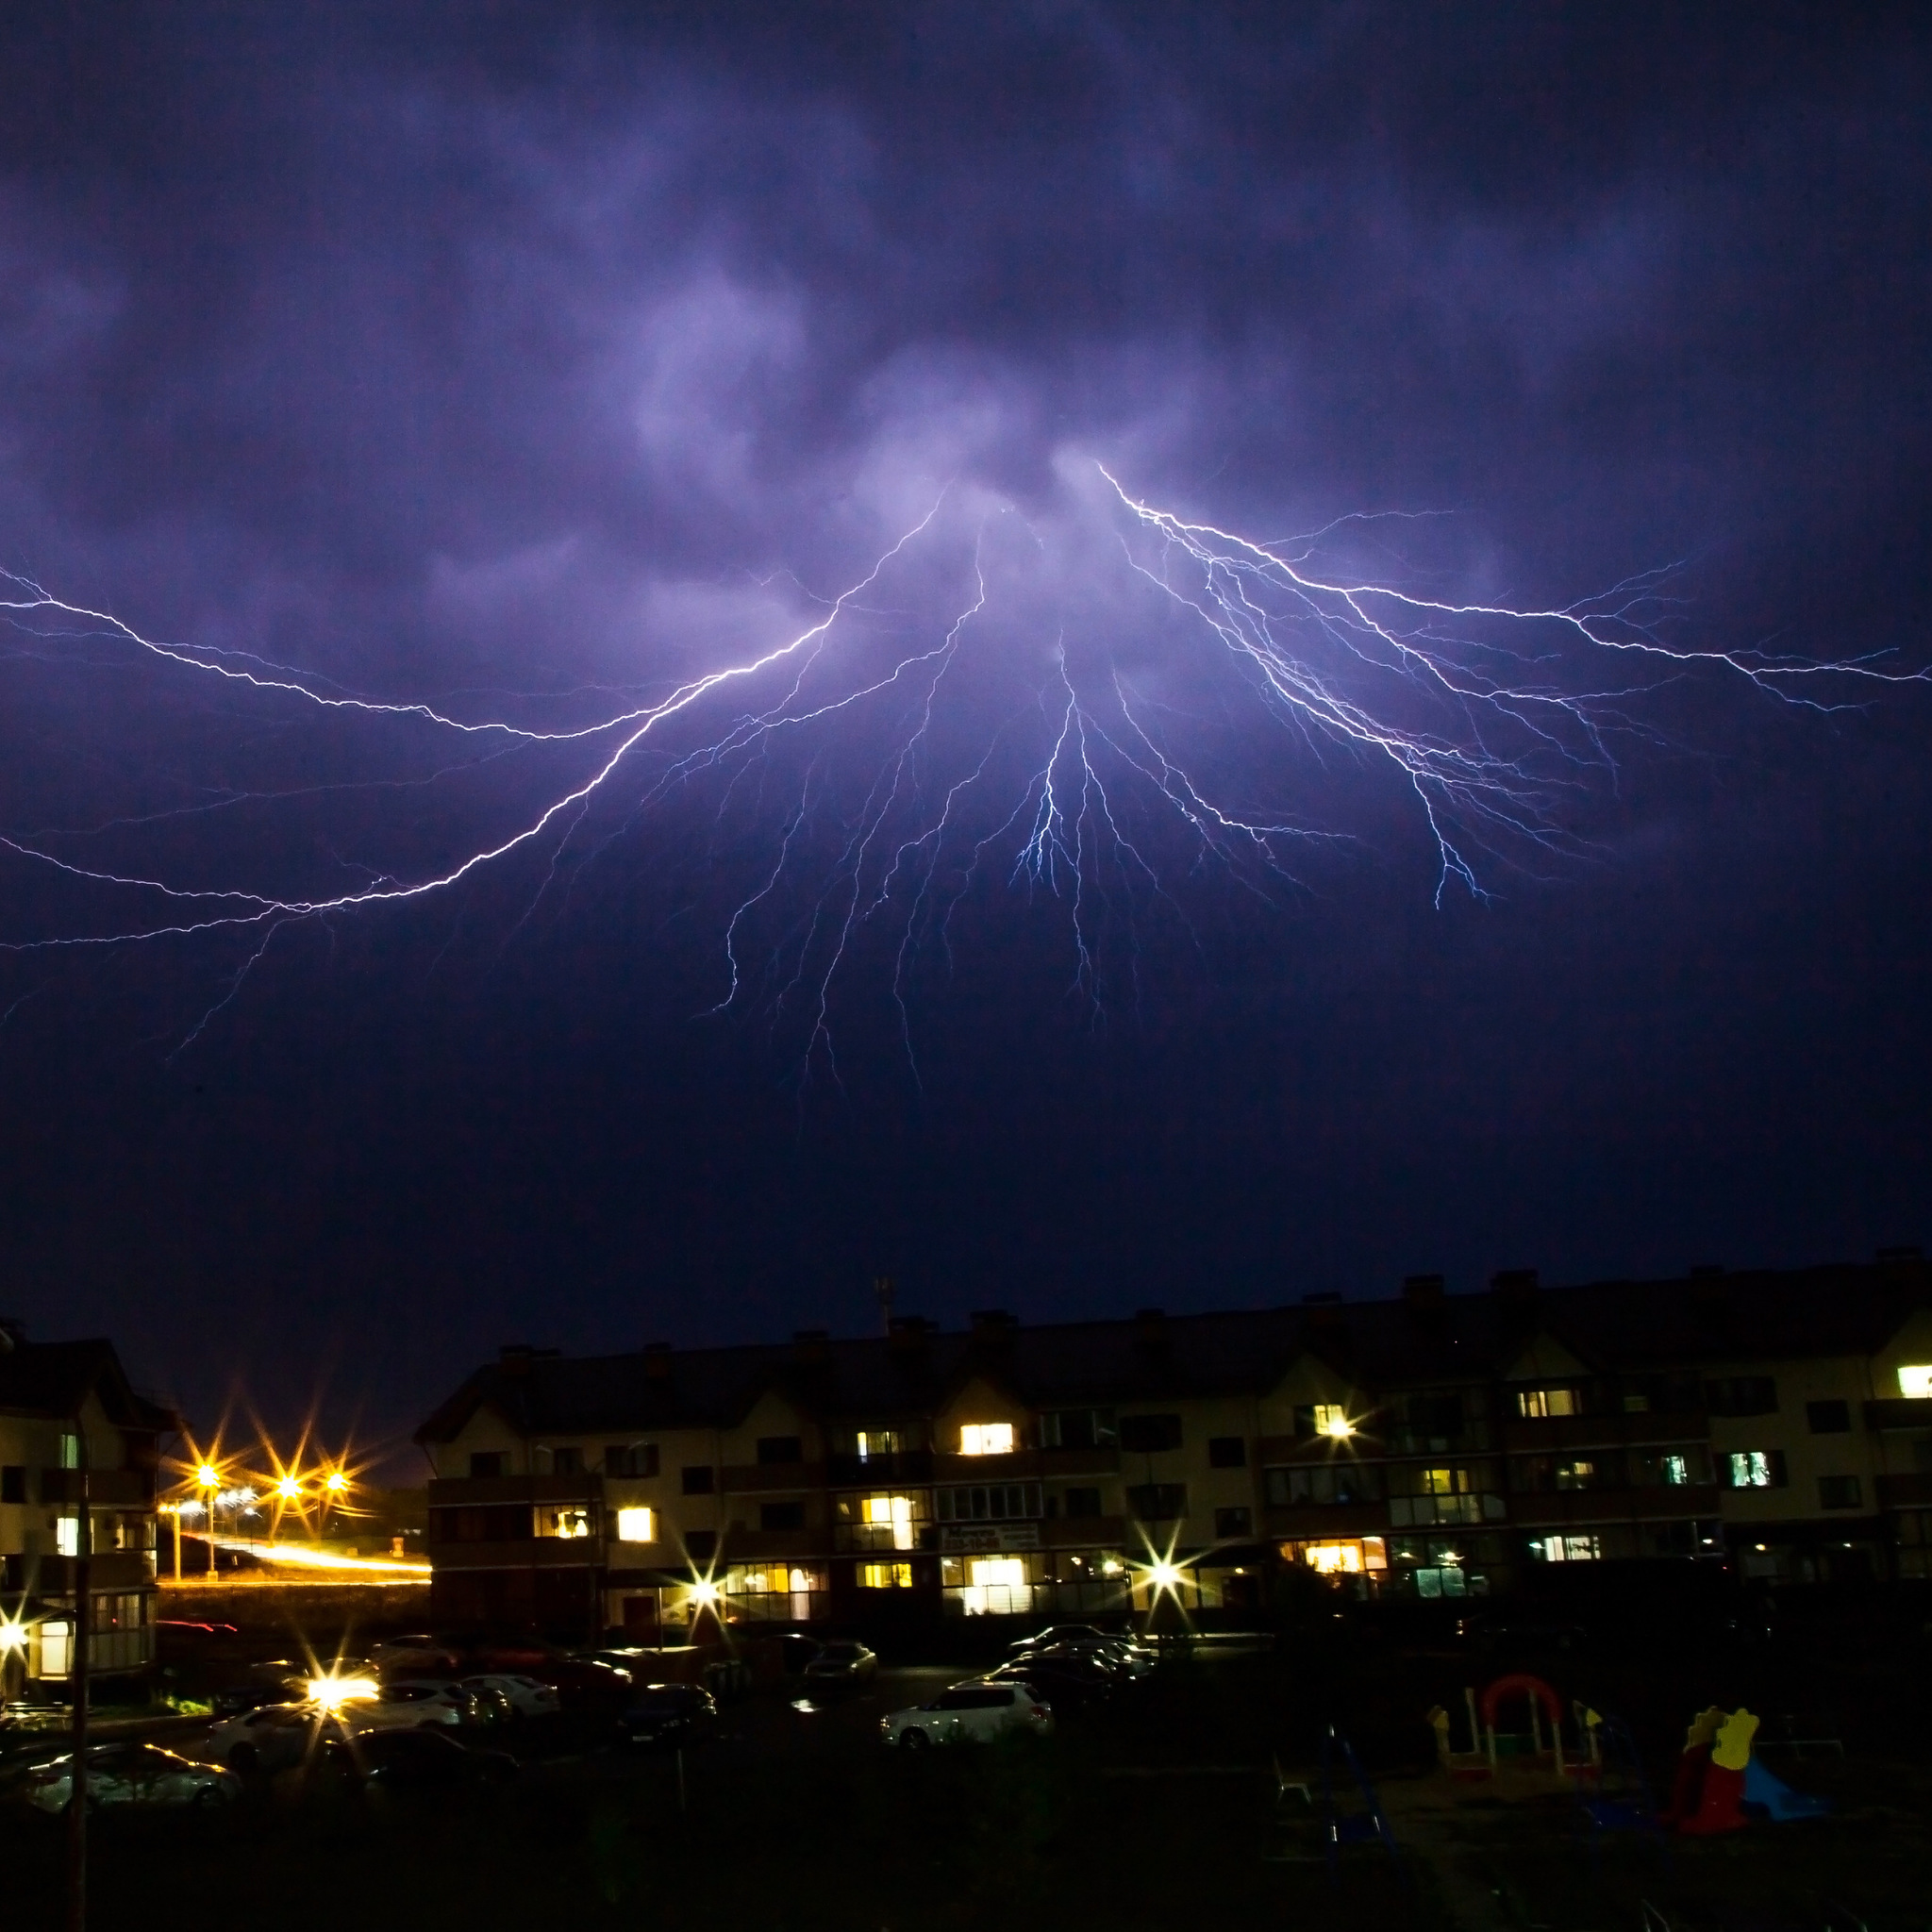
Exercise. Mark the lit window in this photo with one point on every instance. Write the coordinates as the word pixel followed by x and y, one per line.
pixel 1329 1558
pixel 886 1575
pixel 1445 1482
pixel 985 1438
pixel 1754 1469
pixel 636 1526
pixel 1916 1381
pixel 874 1443
pixel 570 1522
pixel 1331 1419
pixel 67 1536
pixel 1537 1405
pixel 1676 1469
pixel 1578 1473
pixel 1567 1549
pixel 890 1516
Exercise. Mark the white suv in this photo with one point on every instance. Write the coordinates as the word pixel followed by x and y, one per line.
pixel 407 1704
pixel 974 1713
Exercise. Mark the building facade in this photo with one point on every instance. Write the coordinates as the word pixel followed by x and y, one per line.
pixel 1431 1446
pixel 74 1435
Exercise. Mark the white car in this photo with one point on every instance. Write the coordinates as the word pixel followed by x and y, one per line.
pixel 972 1713
pixel 522 1696
pixel 268 1739
pixel 406 1704
pixel 132 1775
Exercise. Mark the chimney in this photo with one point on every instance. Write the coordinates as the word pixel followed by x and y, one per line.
pixel 882 1287
pixel 1515 1289
pixel 811 1345
pixel 992 1330
pixel 906 1340
pixel 657 1361
pixel 514 1357
pixel 1422 1290
pixel 1150 1327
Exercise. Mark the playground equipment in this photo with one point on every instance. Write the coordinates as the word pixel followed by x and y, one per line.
pixel 1719 1781
pixel 1369 1825
pixel 1540 1748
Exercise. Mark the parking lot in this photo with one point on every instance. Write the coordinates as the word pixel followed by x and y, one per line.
pixel 1199 1783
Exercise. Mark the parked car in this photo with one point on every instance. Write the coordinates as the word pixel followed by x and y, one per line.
pixel 675 1714
pixel 414 1653
pixel 1064 1679
pixel 977 1712
pixel 392 1762
pixel 841 1662
pixel 408 1704
pixel 519 1694
pixel 268 1739
pixel 1120 1655
pixel 128 1773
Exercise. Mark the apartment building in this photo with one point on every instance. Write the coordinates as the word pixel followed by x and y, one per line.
pixel 1428 1445
pixel 74 1432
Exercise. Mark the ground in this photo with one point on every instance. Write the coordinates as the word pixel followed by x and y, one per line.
pixel 1163 1808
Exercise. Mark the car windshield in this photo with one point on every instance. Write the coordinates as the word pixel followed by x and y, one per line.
pixel 839 1653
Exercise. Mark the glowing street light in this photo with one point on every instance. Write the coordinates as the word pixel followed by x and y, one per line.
pixel 335 1482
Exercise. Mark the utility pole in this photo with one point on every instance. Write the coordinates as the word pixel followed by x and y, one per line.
pixel 882 1286
pixel 77 1662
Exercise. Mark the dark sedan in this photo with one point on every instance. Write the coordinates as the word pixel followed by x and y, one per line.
pixel 669 1714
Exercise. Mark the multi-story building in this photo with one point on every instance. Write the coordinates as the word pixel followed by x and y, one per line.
pixel 72 1427
pixel 1434 1444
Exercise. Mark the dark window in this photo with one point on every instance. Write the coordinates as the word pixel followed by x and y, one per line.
pixel 1231 1523
pixel 1227 1452
pixel 567 1461
pixel 701 1545
pixel 1078 1428
pixel 1147 1433
pixel 989 1502
pixel 1828 1417
pixel 1741 1396
pixel 630 1459
pixel 781 1515
pixel 13 1483
pixel 1839 1492
pixel 698 1479
pixel 488 1463
pixel 1083 1502
pixel 1437 1419
pixel 1323 1482
pixel 1159 1501
pixel 780 1449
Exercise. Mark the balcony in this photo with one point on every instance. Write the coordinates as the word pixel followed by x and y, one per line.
pixel 1071 1462
pixel 1319 1521
pixel 1899 1412
pixel 909 1466
pixel 1906 1492
pixel 1618 1430
pixel 772 1545
pixel 579 1486
pixel 1662 1503
pixel 527 1552
pixel 773 1479
pixel 1021 1466
pixel 106 1488
pixel 1084 1532
pixel 112 1570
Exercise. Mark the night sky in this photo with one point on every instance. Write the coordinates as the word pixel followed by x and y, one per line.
pixel 530 361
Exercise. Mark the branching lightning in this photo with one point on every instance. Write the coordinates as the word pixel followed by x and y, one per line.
pixel 1103 736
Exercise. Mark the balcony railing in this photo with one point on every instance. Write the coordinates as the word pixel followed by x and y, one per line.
pixel 1661 1502
pixel 752 1478
pixel 879 1471
pixel 1906 1492
pixel 580 1486
pixel 106 1488
pixel 1315 1521
pixel 1620 1430
pixel 1899 1412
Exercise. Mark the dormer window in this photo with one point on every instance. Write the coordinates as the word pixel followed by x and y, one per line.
pixel 985 1438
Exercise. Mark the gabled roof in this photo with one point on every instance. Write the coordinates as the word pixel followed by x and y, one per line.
pixel 54 1378
pixel 1380 1345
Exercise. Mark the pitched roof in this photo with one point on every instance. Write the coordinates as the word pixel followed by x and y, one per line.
pixel 1388 1345
pixel 54 1378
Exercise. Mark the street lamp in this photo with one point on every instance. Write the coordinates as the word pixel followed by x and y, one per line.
pixel 207 1479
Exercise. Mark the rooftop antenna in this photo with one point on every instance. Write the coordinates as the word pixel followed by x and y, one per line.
pixel 882 1286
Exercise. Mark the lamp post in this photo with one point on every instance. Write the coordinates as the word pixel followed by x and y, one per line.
pixel 208 1478
pixel 77 1662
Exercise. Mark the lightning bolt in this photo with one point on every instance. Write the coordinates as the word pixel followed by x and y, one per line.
pixel 869 782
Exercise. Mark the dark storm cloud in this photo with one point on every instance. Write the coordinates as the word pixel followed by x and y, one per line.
pixel 437 348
